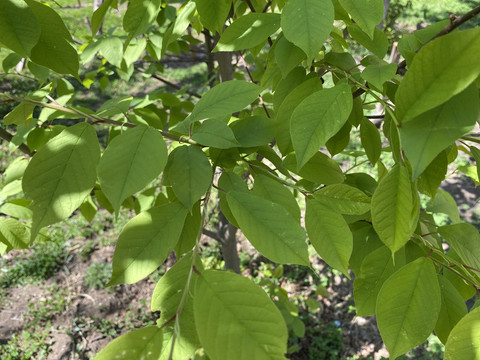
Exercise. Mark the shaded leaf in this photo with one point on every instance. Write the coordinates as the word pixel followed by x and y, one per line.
pixel 145 242
pixel 230 310
pixel 269 227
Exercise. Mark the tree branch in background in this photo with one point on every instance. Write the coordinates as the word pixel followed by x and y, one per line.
pixel 169 83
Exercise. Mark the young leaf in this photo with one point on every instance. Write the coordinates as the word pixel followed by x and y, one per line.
pixel 61 174
pixel 453 308
pixel 130 162
pixel 463 341
pixel 53 49
pixel 376 268
pixel 408 305
pixel 317 118
pixel 221 100
pixel 394 209
pixel 269 227
pixel 465 240
pixel 248 31
pixel 145 242
pixel 272 190
pixel 144 343
pixel 111 48
pixel 366 13
pixel 215 133
pixel 437 74
pixel 425 136
pixel 307 24
pixel 230 310
pixel 15 170
pixel 140 15
pixel 19 27
pixel 329 234
pixel 190 174
pixel 344 199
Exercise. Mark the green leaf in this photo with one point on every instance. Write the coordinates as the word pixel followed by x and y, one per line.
pixel 366 13
pixel 269 227
pixel 88 209
pixel 320 169
pixel 98 16
pixel 365 241
pixel 20 115
pixel 476 155
pixel 213 13
pixel 446 204
pixel 317 118
pixel 131 161
pixel 272 190
pixel 287 55
pixel 286 108
pixel 140 15
pixel 190 231
pixel 14 233
pixel 115 106
pixel 167 296
pixel 145 242
pixel 144 343
pixel 344 199
pixel 190 174
pixel 61 174
pixel 441 69
pixel 221 100
pixel 248 31
pixel 111 48
pixel 329 234
pixel 425 136
pixel 379 44
pixel 15 170
pixel 230 310
pixel 377 75
pixel 53 49
pixel 376 268
pixel 371 141
pixel 464 342
pixel 253 131
pixel 215 133
pixel 465 240
pixel 307 24
pixel 408 305
pixel 17 208
pixel 229 181
pixel 19 27
pixel 394 209
pixel 431 178
pixel 453 308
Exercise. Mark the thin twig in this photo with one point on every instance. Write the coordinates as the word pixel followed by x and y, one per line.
pixel 169 83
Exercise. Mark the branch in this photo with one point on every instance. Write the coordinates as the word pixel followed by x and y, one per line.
pixel 212 235
pixel 4 134
pixel 94 118
pixel 455 23
pixel 169 83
